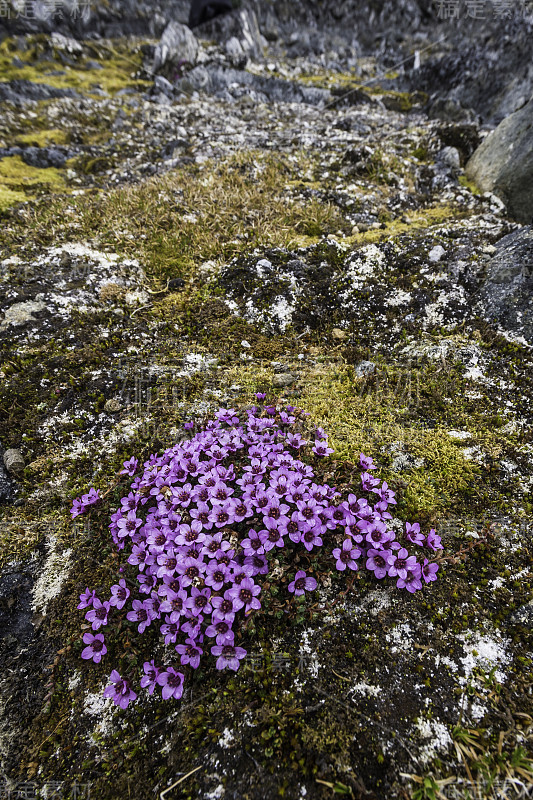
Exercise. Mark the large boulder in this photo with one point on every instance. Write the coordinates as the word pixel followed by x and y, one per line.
pixel 507 294
pixel 178 45
pixel 503 163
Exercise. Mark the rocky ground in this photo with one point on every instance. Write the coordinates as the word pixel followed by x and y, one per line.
pixel 266 218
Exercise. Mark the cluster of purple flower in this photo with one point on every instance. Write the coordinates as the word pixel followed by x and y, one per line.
pixel 202 520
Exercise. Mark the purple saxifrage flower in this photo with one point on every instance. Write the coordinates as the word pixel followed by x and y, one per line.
pixel 86 599
pixel 433 540
pixel 130 467
pixel 413 535
pixel 172 683
pixel 190 653
pixel 120 690
pixel 95 647
pixel 245 595
pixel 228 656
pixel 149 679
pixel 119 594
pixel 429 571
pixel 201 523
pixel 302 583
pixel 97 615
pixel 346 556
pixel 379 562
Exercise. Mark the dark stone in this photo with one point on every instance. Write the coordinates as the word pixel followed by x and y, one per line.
pixel 170 148
pixel 162 85
pixel 205 10
pixel 523 616
pixel 349 97
pixel 175 284
pixel 22 91
pixel 464 137
pixel 43 157
pixel 237 83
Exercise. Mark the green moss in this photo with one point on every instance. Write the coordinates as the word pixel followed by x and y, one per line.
pixel 9 197
pixel 468 184
pixel 16 174
pixel 118 66
pixel 43 138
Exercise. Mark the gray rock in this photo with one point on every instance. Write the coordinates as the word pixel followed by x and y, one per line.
pixel 6 485
pixel 65 43
pixel 22 91
pixel 178 45
pixel 162 85
pixel 198 78
pixel 21 313
pixel 236 53
pixel 283 379
pixel 450 157
pixel 43 157
pixel 13 461
pixel 507 293
pixel 503 163
pixel 364 368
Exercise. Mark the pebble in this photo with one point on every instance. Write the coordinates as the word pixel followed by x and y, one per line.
pixel 283 379
pixel 13 460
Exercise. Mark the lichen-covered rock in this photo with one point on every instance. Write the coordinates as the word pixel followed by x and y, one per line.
pixel 507 292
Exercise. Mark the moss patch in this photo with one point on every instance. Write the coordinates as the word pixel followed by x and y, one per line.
pixel 43 138
pixel 9 197
pixel 16 174
pixel 118 65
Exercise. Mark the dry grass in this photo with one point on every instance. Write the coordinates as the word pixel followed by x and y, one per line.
pixel 173 223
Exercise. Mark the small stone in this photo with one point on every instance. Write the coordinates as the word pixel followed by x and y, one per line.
pixel 20 313
pixel 162 85
pixel 450 156
pixel 436 253
pixel 112 406
pixel 355 230
pixel 176 283
pixel 337 333
pixel 13 461
pixel 364 368
pixel 283 379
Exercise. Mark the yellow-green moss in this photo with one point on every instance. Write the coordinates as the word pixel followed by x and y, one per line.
pixel 15 173
pixel 118 63
pixel 43 138
pixel 9 197
pixel 468 184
